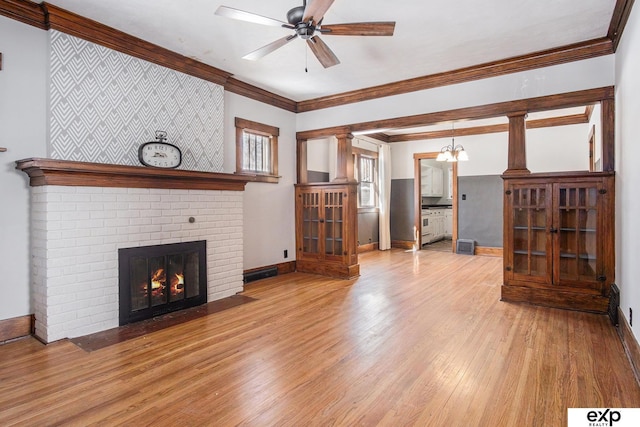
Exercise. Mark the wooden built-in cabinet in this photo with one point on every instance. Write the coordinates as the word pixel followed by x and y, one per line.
pixel 326 229
pixel 559 240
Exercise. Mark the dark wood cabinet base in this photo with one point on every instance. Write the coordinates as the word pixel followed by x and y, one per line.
pixel 339 271
pixel 552 298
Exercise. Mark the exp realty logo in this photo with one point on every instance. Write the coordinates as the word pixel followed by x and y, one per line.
pixel 603 417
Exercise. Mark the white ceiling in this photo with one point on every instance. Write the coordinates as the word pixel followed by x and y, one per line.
pixel 430 36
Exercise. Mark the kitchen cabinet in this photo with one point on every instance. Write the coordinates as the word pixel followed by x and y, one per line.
pixel 433 224
pixel 559 240
pixel 326 229
pixel 431 181
pixel 448 223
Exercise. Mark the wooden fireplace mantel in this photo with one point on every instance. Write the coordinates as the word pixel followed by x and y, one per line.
pixel 70 173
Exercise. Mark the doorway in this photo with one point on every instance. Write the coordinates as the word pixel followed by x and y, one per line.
pixel 436 202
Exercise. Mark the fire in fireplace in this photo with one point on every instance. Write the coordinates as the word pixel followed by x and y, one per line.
pixel 159 279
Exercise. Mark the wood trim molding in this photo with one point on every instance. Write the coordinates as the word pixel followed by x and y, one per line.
pixel 95 32
pixel 489 251
pixel 245 89
pixel 629 343
pixel 481 130
pixel 403 244
pixel 368 247
pixel 24 11
pixel 550 102
pixel 16 327
pixel 619 19
pixel 283 268
pixel 546 58
pixel 68 173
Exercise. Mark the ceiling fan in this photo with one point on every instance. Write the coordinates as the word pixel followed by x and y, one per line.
pixel 306 21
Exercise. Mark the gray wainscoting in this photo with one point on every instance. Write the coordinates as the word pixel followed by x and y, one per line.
pixel 402 213
pixel 480 215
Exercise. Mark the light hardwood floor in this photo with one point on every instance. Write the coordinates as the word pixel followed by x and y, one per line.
pixel 419 339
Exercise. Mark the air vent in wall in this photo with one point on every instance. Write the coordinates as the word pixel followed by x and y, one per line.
pixel 465 247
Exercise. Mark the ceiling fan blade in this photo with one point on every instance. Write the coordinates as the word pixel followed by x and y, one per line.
pixel 359 29
pixel 316 9
pixel 267 49
pixel 325 55
pixel 241 15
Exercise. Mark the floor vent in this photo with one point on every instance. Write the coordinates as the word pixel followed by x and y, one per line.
pixel 465 247
pixel 260 274
pixel 614 303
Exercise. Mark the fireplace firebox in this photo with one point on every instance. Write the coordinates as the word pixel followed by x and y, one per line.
pixel 160 279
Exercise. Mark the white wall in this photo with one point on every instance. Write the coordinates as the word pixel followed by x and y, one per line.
pixel 560 148
pixel 627 171
pixel 269 209
pixel 318 155
pixel 487 154
pixel 23 119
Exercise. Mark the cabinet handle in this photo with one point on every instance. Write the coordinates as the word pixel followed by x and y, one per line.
pixel 321 221
pixel 602 278
pixel 508 268
pixel 553 230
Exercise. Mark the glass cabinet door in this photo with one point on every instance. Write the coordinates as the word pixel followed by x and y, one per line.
pixel 333 217
pixel 530 223
pixel 577 213
pixel 310 222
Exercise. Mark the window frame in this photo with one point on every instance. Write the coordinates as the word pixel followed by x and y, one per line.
pixel 272 132
pixel 358 153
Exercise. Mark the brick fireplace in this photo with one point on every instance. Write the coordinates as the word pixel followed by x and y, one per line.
pixel 83 213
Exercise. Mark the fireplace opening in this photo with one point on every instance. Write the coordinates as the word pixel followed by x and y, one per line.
pixel 155 280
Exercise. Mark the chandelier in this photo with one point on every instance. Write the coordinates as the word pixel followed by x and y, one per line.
pixel 453 152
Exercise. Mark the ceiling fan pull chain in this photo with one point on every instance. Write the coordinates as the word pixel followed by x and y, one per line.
pixel 306 58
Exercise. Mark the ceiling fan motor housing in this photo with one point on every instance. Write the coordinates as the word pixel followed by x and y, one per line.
pixel 295 15
pixel 305 30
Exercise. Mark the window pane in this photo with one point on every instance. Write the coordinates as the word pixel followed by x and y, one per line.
pixel 256 152
pixel 367 198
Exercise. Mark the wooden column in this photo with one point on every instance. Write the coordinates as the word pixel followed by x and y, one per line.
pixel 344 162
pixel 301 160
pixel 608 134
pixel 517 163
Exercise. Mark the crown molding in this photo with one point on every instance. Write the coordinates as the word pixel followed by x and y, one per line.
pixel 95 32
pixel 245 89
pixel 24 11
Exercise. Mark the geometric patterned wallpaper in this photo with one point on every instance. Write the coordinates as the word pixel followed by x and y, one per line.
pixel 105 104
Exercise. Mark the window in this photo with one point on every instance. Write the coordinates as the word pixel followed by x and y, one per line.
pixel 366 173
pixel 257 150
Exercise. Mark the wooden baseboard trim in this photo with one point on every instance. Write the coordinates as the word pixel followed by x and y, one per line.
pixel 403 244
pixel 368 247
pixel 630 344
pixel 489 251
pixel 16 327
pixel 283 267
